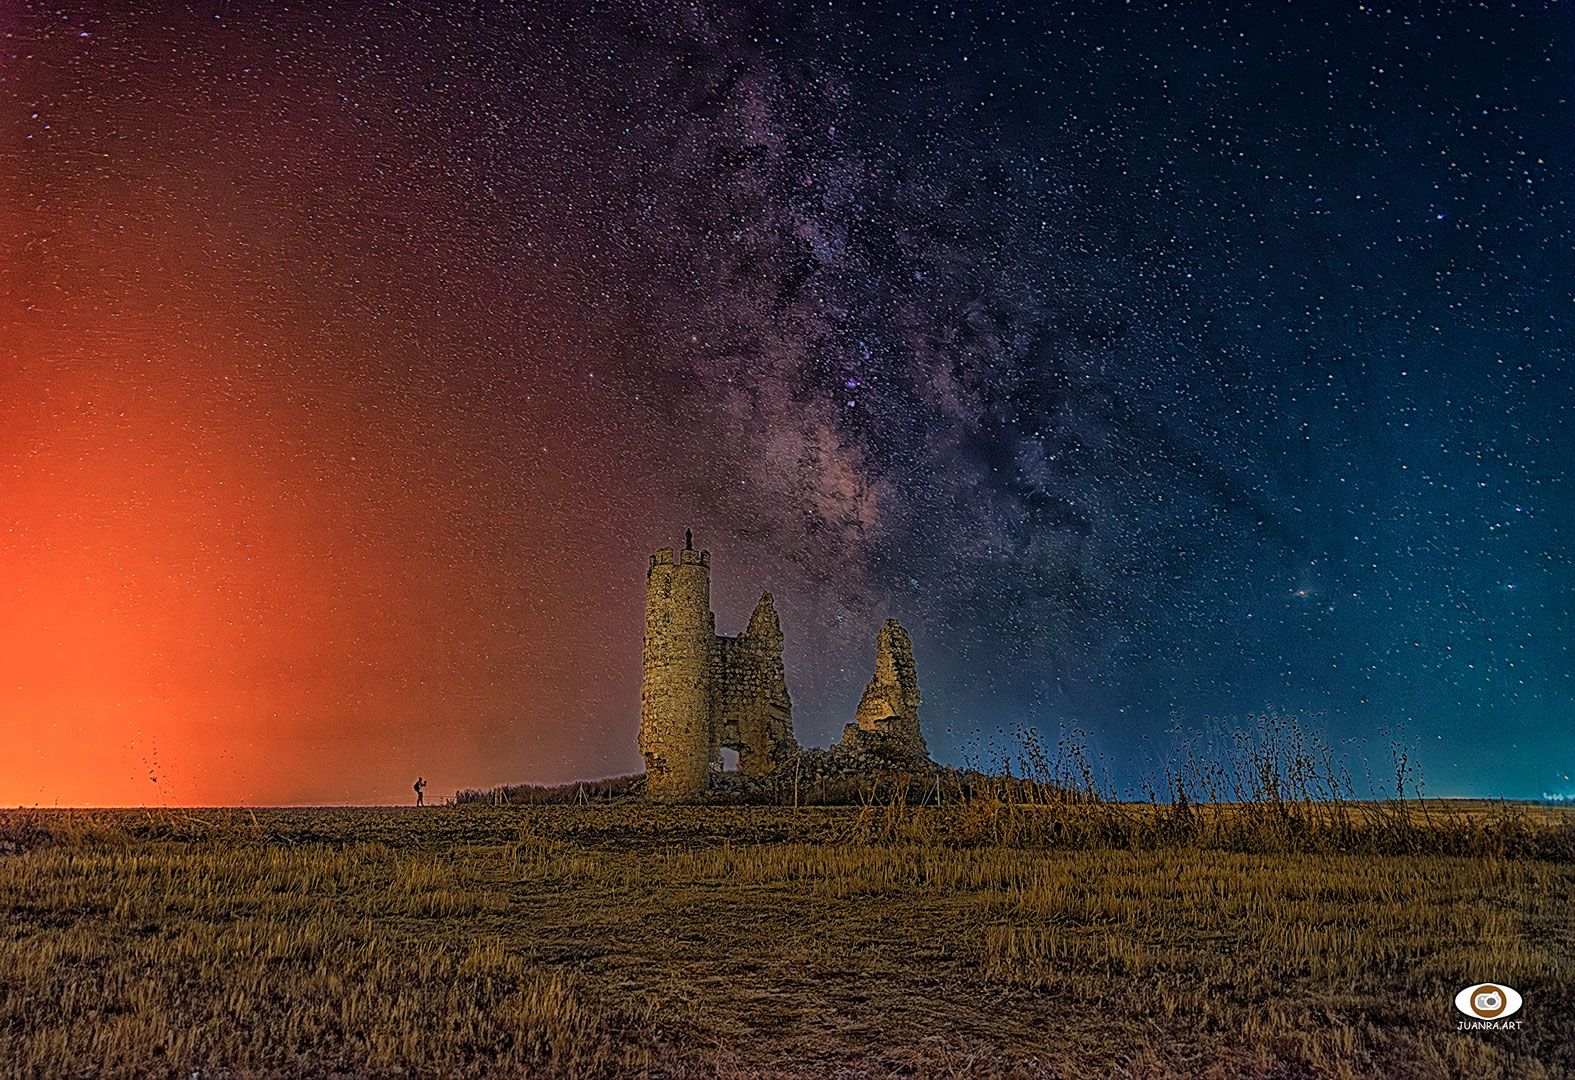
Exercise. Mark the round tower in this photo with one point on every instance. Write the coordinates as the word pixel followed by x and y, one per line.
pixel 677 686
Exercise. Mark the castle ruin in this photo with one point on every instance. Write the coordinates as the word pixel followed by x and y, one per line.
pixel 702 692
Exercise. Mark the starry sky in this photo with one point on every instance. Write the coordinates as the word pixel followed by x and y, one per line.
pixel 1155 365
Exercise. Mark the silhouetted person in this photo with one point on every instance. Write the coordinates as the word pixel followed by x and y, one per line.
pixel 689 539
pixel 421 785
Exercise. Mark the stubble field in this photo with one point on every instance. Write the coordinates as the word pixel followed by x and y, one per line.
pixel 754 941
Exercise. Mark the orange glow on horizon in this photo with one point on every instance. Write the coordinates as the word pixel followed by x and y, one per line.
pixel 198 608
pixel 232 572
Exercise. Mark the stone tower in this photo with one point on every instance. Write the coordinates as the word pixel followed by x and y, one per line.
pixel 676 691
pixel 699 692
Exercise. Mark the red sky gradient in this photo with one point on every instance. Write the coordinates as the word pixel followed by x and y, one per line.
pixel 193 594
pixel 256 545
pixel 318 468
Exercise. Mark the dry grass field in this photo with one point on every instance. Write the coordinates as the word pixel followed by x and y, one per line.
pixel 626 939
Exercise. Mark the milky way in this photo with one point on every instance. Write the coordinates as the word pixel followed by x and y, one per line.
pixel 1156 368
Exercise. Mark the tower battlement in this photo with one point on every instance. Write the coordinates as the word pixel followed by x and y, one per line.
pixel 663 558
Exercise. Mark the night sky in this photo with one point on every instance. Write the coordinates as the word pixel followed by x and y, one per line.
pixel 1154 367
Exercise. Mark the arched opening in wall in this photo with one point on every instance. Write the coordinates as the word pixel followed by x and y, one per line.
pixel 729 759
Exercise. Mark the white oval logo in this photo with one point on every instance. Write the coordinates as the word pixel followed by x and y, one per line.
pixel 1488 1001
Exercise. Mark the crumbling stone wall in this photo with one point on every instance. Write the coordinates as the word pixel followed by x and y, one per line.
pixel 886 724
pixel 700 692
pixel 754 713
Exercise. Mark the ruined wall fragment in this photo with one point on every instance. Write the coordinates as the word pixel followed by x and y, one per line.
pixel 886 724
pixel 755 712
